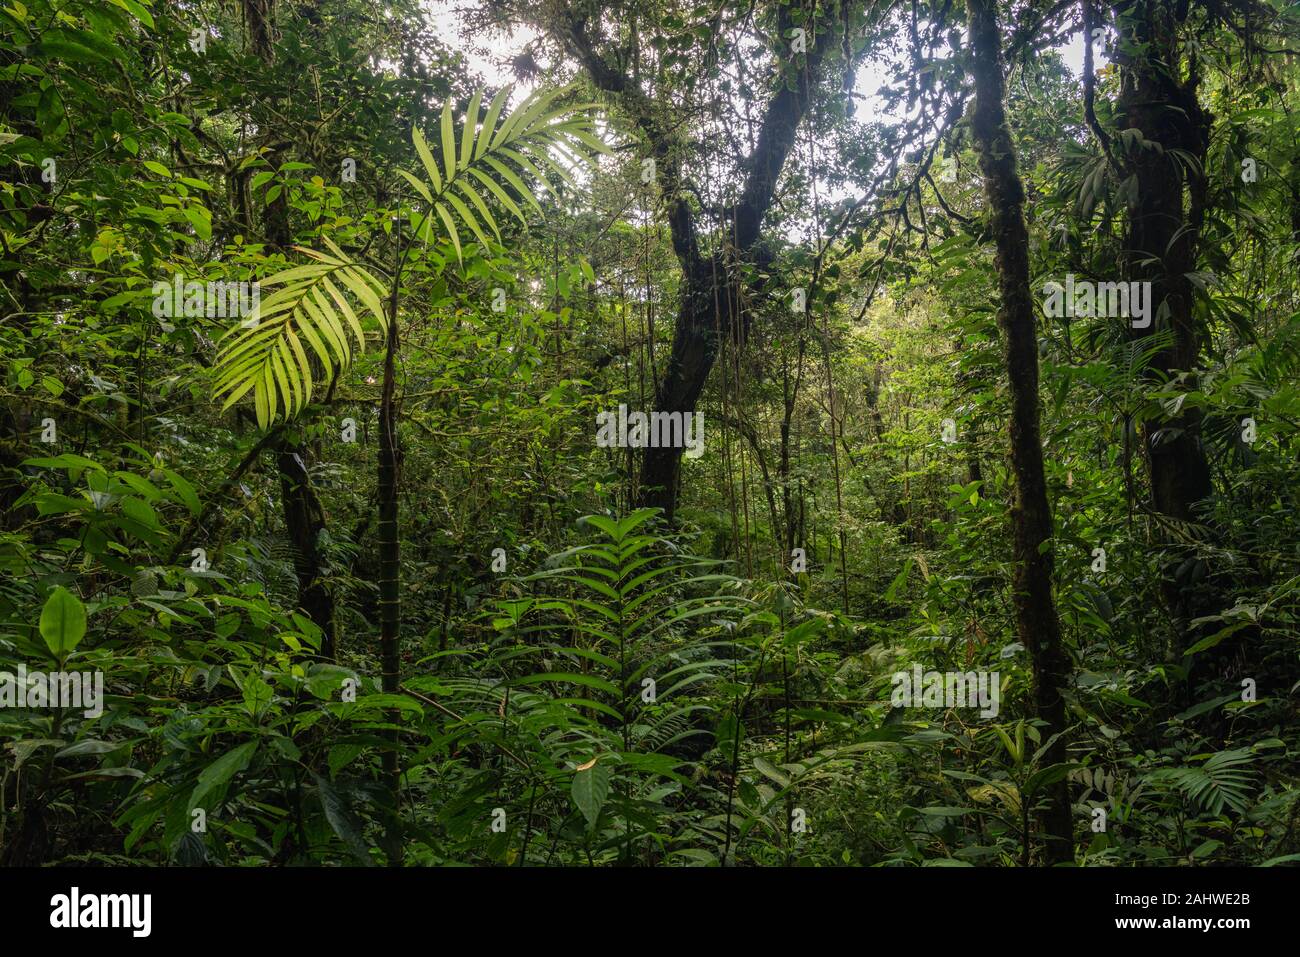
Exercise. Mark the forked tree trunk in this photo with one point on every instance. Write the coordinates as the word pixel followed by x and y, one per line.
pixel 1037 624
pixel 710 280
pixel 696 341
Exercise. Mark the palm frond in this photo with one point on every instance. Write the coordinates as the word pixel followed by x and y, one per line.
pixel 325 303
pixel 496 157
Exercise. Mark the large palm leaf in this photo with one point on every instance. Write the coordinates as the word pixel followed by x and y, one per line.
pixel 494 160
pixel 329 302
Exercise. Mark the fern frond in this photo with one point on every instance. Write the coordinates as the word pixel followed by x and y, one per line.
pixel 1224 780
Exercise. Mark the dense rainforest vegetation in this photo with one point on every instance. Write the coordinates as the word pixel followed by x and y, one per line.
pixel 734 433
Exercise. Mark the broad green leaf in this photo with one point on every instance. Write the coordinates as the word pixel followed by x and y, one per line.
pixel 770 771
pixel 490 121
pixel 136 10
pixel 219 772
pixel 342 820
pixel 467 134
pixel 451 229
pixel 590 789
pixel 63 622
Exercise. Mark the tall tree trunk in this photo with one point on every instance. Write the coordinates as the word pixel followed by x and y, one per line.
pixel 1036 621
pixel 1161 247
pixel 259 18
pixel 304 517
pixel 390 554
pixel 703 314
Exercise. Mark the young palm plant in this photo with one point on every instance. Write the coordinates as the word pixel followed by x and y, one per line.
pixel 330 301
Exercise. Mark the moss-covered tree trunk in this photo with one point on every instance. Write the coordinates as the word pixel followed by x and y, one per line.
pixel 1037 624
pixel 1158 99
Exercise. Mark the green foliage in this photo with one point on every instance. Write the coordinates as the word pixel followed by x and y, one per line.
pixel 1221 781
pixel 63 622
pixel 595 748
pixel 270 360
pixel 497 153
pixel 624 690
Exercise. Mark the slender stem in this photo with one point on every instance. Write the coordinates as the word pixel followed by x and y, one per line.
pixel 390 553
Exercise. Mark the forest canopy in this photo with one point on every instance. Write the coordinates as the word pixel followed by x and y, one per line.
pixel 649 432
